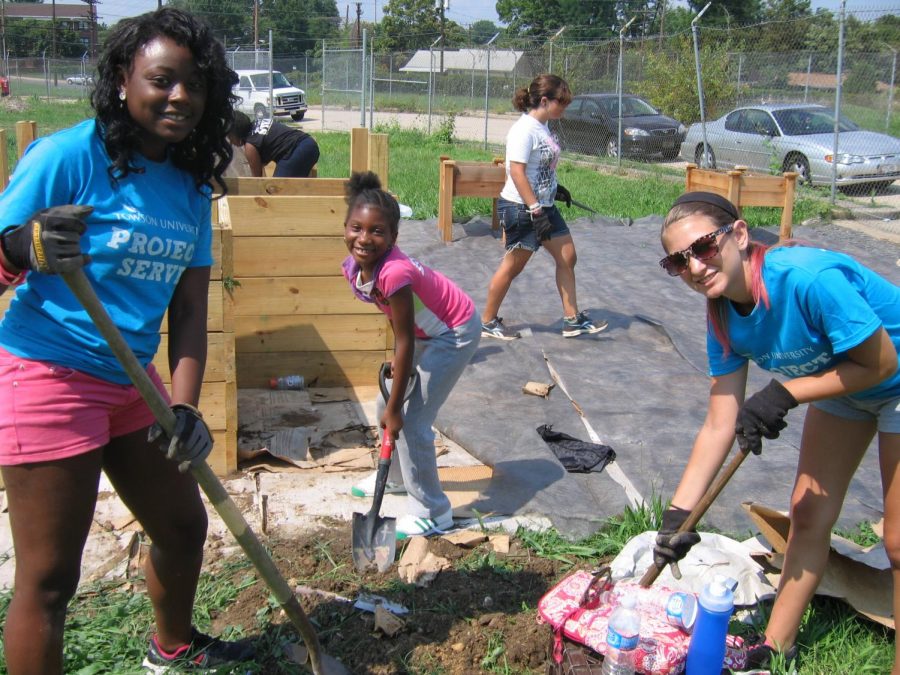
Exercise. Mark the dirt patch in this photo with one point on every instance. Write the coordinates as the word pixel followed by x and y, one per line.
pixel 478 616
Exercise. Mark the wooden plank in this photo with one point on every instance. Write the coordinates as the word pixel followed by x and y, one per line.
pixel 359 149
pixel 297 295
pixel 289 256
pixel 264 216
pixel 313 333
pixel 378 157
pixel 300 187
pixel 445 199
pixel 4 161
pixel 223 458
pixel 26 132
pixel 324 369
pixel 219 358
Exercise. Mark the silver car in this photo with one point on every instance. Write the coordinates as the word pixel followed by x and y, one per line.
pixel 796 137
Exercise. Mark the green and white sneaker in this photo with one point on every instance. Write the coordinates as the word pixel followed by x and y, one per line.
pixel 581 323
pixel 415 526
pixel 366 487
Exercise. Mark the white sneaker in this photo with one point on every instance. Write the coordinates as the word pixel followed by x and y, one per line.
pixel 366 487
pixel 414 526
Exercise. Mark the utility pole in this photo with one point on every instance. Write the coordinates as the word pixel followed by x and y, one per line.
pixel 358 27
pixel 255 26
pixel 53 39
pixel 443 4
pixel 92 19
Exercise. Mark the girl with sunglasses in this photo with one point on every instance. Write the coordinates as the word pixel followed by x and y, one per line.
pixel 831 328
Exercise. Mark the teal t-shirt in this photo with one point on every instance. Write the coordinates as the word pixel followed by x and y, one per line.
pixel 144 232
pixel 822 303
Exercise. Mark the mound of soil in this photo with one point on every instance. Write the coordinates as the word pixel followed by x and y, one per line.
pixel 477 616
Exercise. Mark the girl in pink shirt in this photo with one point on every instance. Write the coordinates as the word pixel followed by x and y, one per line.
pixel 436 331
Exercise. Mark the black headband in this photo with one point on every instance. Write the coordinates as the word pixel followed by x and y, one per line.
pixel 709 198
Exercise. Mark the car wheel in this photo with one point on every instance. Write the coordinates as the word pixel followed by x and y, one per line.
pixel 611 147
pixel 698 157
pixel 799 164
pixel 298 116
pixel 259 110
pixel 69 80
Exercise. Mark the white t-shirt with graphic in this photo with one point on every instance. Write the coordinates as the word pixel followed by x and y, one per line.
pixel 530 143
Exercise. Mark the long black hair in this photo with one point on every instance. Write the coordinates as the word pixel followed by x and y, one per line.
pixel 206 152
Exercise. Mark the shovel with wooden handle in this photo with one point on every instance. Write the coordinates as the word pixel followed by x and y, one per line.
pixel 701 508
pixel 320 663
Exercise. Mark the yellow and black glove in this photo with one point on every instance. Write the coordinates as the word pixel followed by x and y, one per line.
pixel 50 242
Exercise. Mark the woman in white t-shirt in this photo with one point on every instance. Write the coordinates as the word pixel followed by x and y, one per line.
pixel 527 211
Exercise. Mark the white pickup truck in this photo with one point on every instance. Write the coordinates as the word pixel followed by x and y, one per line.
pixel 253 90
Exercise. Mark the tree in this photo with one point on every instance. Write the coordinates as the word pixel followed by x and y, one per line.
pixel 231 20
pixel 408 25
pixel 482 31
pixel 297 25
pixel 729 13
pixel 670 81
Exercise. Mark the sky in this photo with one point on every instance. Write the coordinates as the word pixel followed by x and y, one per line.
pixel 463 12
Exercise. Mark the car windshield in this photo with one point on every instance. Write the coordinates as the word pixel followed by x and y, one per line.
pixel 630 107
pixel 807 121
pixel 261 80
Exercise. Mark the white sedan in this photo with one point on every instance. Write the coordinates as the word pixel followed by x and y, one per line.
pixel 796 137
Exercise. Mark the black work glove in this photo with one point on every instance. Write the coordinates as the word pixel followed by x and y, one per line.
pixel 763 415
pixel 49 242
pixel 563 195
pixel 542 226
pixel 191 441
pixel 671 545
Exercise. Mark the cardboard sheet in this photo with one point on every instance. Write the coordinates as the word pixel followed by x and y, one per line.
pixel 854 573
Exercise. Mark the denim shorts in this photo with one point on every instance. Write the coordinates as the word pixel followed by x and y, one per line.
pixel 516 223
pixel 885 411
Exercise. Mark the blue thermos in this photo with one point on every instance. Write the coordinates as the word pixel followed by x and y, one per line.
pixel 706 653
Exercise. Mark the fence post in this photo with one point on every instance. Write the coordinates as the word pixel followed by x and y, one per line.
pixel 837 99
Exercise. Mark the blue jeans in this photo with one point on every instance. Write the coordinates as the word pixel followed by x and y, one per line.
pixel 439 362
pixel 300 161
pixel 516 223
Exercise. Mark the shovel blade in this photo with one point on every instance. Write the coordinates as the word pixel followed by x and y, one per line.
pixel 374 541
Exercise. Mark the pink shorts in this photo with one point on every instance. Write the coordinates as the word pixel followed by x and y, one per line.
pixel 50 412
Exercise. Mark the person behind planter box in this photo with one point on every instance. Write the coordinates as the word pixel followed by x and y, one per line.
pixel 830 328
pixel 436 332
pixel 294 152
pixel 127 196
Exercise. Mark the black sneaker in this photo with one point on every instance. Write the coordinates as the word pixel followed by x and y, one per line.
pixel 204 654
pixel 495 329
pixel 760 656
pixel 581 323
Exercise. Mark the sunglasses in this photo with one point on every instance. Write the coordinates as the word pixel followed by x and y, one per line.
pixel 704 248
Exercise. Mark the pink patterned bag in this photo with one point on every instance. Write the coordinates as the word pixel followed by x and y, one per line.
pixel 578 608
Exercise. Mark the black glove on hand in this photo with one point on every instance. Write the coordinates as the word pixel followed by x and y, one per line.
pixel 49 242
pixel 671 545
pixel 191 441
pixel 542 226
pixel 763 415
pixel 563 195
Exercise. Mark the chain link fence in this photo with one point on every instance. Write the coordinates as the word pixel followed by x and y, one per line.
pixel 694 77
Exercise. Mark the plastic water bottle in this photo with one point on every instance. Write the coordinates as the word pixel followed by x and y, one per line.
pixel 622 637
pixel 287 382
pixel 706 652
